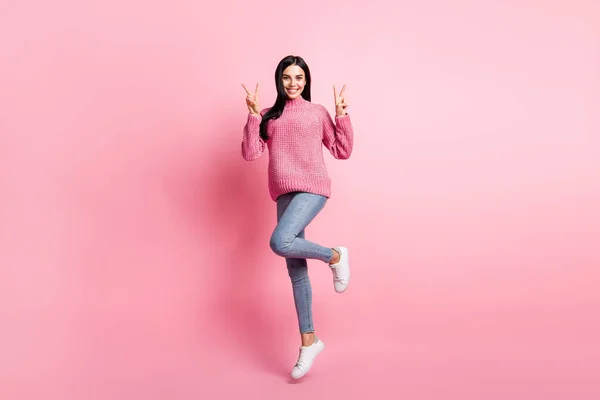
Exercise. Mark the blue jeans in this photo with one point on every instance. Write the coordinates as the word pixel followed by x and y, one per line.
pixel 294 212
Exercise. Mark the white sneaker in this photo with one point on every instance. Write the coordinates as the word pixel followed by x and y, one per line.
pixel 341 271
pixel 306 358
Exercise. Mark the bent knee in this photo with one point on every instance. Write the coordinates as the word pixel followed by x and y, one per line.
pixel 280 243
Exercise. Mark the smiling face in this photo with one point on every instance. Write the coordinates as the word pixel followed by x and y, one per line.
pixel 294 80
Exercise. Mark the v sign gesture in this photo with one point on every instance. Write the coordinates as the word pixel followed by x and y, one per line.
pixel 340 102
pixel 252 101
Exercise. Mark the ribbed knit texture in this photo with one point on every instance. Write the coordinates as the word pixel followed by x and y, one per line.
pixel 295 143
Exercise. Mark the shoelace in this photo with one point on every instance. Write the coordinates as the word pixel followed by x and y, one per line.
pixel 336 275
pixel 300 361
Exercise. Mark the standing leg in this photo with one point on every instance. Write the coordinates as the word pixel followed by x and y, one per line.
pixel 298 273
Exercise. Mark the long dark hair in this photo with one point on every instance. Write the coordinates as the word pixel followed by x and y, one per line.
pixel 277 109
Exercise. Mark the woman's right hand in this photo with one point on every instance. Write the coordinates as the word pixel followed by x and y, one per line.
pixel 252 101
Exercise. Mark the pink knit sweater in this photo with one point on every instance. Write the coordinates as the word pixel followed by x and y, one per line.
pixel 295 142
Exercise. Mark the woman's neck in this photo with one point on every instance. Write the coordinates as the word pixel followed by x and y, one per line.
pixel 293 103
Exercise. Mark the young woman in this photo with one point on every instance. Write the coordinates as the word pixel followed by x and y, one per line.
pixel 294 130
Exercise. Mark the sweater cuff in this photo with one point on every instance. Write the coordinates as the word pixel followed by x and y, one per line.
pixel 254 120
pixel 343 121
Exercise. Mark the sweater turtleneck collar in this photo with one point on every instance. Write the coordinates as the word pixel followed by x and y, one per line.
pixel 295 103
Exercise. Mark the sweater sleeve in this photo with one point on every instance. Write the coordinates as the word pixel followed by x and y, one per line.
pixel 252 144
pixel 338 137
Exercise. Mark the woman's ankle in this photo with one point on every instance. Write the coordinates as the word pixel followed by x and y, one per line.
pixel 336 257
pixel 307 338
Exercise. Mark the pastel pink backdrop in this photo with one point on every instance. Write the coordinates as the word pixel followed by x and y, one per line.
pixel 135 259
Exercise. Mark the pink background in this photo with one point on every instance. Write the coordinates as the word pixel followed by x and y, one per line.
pixel 135 261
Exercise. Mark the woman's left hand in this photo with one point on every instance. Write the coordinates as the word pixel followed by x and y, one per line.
pixel 340 102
